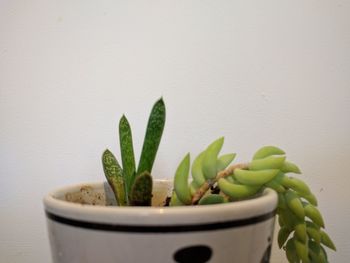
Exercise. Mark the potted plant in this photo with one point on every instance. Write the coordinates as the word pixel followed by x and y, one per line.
pixel 225 214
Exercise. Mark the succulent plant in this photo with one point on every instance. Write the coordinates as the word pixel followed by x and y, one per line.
pixel 133 186
pixel 215 180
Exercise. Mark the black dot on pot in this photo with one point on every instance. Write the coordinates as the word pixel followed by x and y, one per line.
pixel 193 254
pixel 266 256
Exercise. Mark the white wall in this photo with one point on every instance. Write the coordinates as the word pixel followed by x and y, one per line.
pixel 257 72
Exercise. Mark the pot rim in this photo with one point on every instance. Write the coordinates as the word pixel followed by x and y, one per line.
pixel 259 206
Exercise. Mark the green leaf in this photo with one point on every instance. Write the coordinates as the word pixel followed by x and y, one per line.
pixel 212 199
pixel 196 169
pixel 141 192
pixel 327 241
pixel 114 175
pixel 153 135
pixel 223 161
pixel 127 152
pixel 181 186
pixel 289 167
pixel 210 158
pixel 174 201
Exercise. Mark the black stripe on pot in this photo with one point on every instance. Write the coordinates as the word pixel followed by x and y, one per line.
pixel 160 228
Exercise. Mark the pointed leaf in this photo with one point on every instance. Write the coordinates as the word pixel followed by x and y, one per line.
pixel 127 152
pixel 153 136
pixel 181 186
pixel 224 160
pixel 210 158
pixel 114 175
pixel 196 169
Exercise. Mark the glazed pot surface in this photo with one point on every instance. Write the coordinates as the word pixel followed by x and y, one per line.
pixel 83 226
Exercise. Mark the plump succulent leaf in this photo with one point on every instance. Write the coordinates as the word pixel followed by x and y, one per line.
pixel 210 158
pixel 266 151
pixel 224 160
pixel 212 199
pixel 196 170
pixel 181 187
pixel 289 167
pixel 270 162
pixel 174 201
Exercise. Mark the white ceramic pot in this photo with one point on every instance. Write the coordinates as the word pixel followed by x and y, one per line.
pixel 83 228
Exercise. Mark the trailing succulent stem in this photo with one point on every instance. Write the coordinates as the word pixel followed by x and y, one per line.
pixel 215 181
pixel 207 185
pixel 133 186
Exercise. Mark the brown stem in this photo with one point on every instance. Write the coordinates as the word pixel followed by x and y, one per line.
pixel 222 174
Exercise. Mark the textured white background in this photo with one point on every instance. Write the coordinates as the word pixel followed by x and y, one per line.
pixel 257 72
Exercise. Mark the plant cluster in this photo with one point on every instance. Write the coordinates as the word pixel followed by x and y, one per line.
pixel 131 186
pixel 215 180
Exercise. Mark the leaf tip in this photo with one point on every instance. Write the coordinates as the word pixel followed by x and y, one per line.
pixel 123 119
pixel 221 140
pixel 160 103
pixel 106 151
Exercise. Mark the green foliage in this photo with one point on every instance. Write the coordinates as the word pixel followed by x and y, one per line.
pixel 215 181
pixel 141 192
pixel 127 152
pixel 301 233
pixel 224 160
pixel 181 186
pixel 210 159
pixel 130 186
pixel 153 136
pixel 114 175
pixel 212 199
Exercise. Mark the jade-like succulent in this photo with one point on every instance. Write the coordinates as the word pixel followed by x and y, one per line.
pixel 215 180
